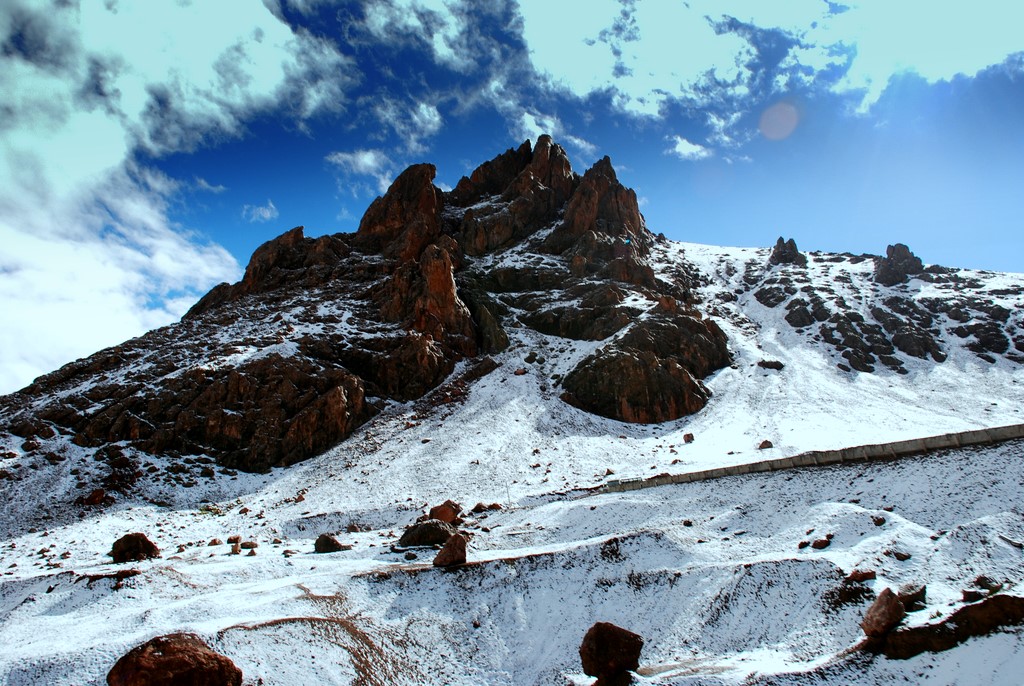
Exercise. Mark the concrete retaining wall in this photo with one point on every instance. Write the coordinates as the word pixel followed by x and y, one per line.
pixel 860 453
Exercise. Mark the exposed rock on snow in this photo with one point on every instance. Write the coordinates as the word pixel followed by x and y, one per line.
pixel 897 266
pixel 446 512
pixel 786 252
pixel 609 652
pixel 133 548
pixel 326 543
pixel 430 532
pixel 174 660
pixel 884 614
pixel 453 553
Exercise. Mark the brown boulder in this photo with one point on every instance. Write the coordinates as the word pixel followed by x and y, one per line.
pixel 326 543
pixel 174 660
pixel 884 614
pixel 765 445
pixel 609 652
pixel 133 548
pixel 453 553
pixel 652 372
pixel 861 575
pixel 430 532
pixel 446 512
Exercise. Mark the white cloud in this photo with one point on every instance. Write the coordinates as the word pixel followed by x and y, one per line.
pixel 531 124
pixel 645 54
pixel 685 150
pixel 90 257
pixel 372 163
pixel 411 123
pixel 260 213
pixel 207 187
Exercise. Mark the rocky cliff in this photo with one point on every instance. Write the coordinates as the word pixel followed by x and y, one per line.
pixel 321 333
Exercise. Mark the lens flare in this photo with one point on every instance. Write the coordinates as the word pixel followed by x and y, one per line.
pixel 779 121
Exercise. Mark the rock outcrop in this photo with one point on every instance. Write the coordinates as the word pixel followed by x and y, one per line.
pixel 174 660
pixel 652 373
pixel 610 652
pixel 786 252
pixel 991 614
pixel 898 265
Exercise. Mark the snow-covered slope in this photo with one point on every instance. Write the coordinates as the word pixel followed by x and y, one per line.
pixel 710 574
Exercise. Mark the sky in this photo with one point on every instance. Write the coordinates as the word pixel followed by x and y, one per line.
pixel 148 147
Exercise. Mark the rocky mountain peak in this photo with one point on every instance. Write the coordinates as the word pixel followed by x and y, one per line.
pixel 898 265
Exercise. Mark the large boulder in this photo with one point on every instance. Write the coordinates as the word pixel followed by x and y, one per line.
pixel 447 511
pixel 652 373
pixel 884 614
pixel 609 652
pixel 430 532
pixel 453 553
pixel 174 660
pixel 133 548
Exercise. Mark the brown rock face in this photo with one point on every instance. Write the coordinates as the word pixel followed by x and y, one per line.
pixel 407 218
pixel 174 660
pixel 453 553
pixel 133 548
pixel 430 532
pixel 884 614
pixel 604 206
pixel 609 651
pixel 993 613
pixel 652 373
pixel 423 296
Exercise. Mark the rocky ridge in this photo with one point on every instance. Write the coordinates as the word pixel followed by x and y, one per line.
pixel 320 334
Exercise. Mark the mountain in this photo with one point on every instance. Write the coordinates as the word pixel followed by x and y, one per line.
pixel 521 340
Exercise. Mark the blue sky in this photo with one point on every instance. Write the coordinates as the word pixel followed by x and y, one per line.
pixel 147 147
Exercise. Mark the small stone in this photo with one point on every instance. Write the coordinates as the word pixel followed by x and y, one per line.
pixel 215 541
pixel 765 444
pixel 861 575
pixel 249 545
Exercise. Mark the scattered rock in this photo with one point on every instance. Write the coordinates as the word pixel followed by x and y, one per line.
pixel 765 444
pixel 133 548
pixel 862 575
pixel 249 545
pixel 235 539
pixel 326 543
pixel 236 549
pixel 878 521
pixel 609 652
pixel 453 553
pixel 430 532
pixel 884 614
pixel 215 541
pixel 174 660
pixel 771 364
pixel 687 438
pixel 410 555
pixel 821 543
pixel 447 511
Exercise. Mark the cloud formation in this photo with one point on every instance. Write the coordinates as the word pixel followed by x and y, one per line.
pixel 260 213
pixel 685 150
pixel 364 163
pixel 91 257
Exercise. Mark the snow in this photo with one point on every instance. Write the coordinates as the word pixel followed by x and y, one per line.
pixel 709 573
